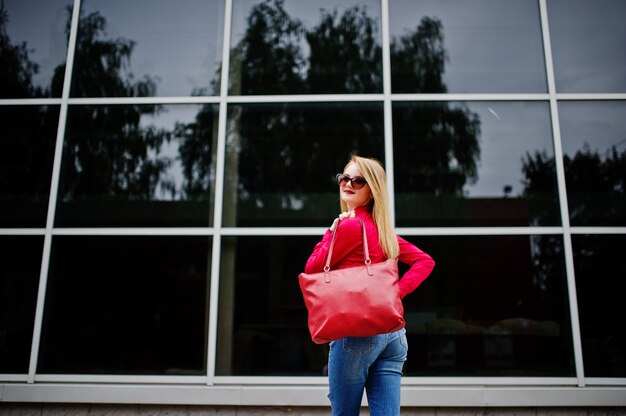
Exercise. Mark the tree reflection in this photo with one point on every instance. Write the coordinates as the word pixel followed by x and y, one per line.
pixel 345 55
pixel 16 68
pixel 107 152
pixel 268 58
pixel 596 184
pixel 439 141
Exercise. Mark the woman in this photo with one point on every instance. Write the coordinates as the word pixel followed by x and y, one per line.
pixel 373 364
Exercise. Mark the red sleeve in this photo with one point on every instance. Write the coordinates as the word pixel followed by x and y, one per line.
pixel 347 238
pixel 421 264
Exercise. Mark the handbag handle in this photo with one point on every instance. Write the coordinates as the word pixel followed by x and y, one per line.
pixel 366 253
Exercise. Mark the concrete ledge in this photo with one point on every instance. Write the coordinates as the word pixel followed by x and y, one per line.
pixel 436 396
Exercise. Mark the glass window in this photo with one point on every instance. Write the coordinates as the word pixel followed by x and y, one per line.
pixel 27 140
pixel 296 47
pixel 474 164
pixel 588 39
pixel 126 305
pixel 459 46
pixel 281 160
pixel 138 165
pixel 594 151
pixel 20 257
pixel 262 326
pixel 493 306
pixel 33 41
pixel 600 268
pixel 147 48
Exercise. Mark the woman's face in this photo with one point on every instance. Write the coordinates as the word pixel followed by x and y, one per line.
pixel 349 194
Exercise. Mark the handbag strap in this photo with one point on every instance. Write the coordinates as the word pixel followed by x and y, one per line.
pixel 366 254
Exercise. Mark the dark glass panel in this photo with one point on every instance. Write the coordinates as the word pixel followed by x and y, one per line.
pixel 126 305
pixel 281 160
pixel 262 318
pixel 147 48
pixel 295 47
pixel 493 306
pixel 474 164
pixel 600 268
pixel 33 45
pixel 499 314
pixel 459 46
pixel 138 165
pixel 594 148
pixel 27 140
pixel 588 39
pixel 20 257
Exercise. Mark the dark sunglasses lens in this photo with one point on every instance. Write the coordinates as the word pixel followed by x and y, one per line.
pixel 341 179
pixel 358 183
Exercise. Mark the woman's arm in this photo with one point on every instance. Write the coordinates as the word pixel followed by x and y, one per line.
pixel 421 264
pixel 347 238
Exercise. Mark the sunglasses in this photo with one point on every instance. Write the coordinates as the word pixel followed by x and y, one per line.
pixel 358 182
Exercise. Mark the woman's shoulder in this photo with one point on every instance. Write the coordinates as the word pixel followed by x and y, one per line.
pixel 349 226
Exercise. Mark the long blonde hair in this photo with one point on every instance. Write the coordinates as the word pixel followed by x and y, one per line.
pixel 374 173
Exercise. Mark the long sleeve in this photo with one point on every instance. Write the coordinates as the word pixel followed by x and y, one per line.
pixel 421 264
pixel 348 243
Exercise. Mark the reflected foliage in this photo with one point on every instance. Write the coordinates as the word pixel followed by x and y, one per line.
pixel 108 152
pixel 269 56
pixel 439 142
pixel 344 57
pixel 196 154
pixel 16 68
pixel 596 184
pixel 418 59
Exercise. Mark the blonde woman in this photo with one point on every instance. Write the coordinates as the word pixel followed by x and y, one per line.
pixel 372 364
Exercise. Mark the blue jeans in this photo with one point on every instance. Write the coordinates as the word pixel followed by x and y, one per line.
pixel 373 364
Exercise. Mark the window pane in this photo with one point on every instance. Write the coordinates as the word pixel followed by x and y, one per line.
pixel 600 269
pixel 281 160
pixel 588 39
pixel 594 147
pixel 147 48
pixel 27 138
pixel 295 47
pixel 474 164
pixel 262 318
pixel 126 305
pixel 20 258
pixel 493 306
pixel 459 46
pixel 484 326
pixel 33 41
pixel 138 165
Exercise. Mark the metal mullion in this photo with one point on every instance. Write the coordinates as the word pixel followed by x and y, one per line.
pixel 219 196
pixel 598 230
pixel 560 173
pixel 119 379
pixel 173 231
pixel 143 100
pixel 30 101
pixel 471 97
pixel 590 96
pixel 22 231
pixel 52 199
pixel 303 98
pixel 477 231
pixel 387 109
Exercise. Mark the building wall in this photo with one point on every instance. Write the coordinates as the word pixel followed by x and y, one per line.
pixel 167 169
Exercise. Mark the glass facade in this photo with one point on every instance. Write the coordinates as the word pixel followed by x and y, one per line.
pixel 167 168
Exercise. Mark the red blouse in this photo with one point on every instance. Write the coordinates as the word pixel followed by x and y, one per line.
pixel 348 251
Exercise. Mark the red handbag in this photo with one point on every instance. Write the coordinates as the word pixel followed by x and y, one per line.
pixel 358 301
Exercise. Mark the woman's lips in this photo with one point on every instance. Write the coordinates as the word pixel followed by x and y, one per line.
pixel 347 191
